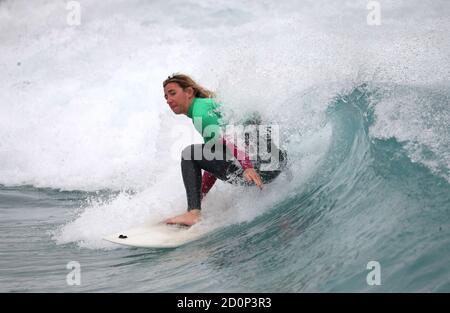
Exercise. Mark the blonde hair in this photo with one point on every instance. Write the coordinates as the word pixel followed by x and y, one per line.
pixel 185 81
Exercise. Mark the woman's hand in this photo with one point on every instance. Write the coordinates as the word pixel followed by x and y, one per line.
pixel 251 175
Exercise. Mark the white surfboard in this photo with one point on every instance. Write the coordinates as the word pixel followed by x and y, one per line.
pixel 158 235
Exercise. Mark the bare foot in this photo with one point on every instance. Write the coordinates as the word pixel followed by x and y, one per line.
pixel 189 218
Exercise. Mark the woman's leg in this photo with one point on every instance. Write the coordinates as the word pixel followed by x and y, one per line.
pixel 193 161
pixel 268 176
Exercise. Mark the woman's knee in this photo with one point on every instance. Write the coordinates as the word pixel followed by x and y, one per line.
pixel 192 152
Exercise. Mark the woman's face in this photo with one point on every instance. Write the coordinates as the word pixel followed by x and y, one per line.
pixel 177 98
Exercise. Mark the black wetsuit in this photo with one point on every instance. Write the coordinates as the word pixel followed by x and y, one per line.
pixel 228 162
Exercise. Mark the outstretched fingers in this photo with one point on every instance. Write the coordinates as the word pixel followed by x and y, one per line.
pixel 251 175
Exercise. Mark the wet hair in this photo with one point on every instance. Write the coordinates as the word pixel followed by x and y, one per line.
pixel 185 81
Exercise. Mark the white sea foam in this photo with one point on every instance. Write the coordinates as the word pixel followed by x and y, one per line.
pixel 82 107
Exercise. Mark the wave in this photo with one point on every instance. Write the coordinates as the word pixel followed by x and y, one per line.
pixel 367 201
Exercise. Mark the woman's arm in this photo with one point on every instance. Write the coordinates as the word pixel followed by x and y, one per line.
pixel 209 179
pixel 240 155
pixel 249 172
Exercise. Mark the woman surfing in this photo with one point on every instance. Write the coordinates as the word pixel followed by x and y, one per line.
pixel 229 164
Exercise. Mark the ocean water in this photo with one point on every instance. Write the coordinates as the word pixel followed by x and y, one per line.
pixel 89 147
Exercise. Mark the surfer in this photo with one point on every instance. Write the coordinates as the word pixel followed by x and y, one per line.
pixel 185 96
